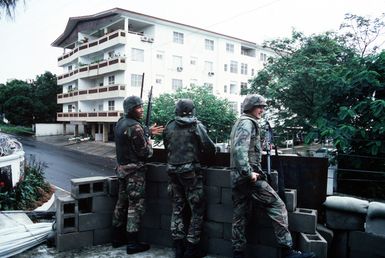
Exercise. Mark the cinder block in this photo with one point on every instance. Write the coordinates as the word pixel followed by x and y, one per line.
pixel 313 243
pixel 88 186
pixel 217 176
pixel 66 214
pixel 212 194
pixel 219 246
pixel 151 220
pixel 159 206
pixel 375 219
pixel 103 203
pixel 85 205
pixel 273 180
pixel 102 236
pixel 367 243
pixel 227 231
pixel 74 240
pixel 226 196
pixel 213 229
pixel 156 172
pixel 291 199
pixel 91 221
pixel 156 236
pixel 339 247
pixel 165 222
pixel 263 251
pixel 327 234
pixel 344 220
pixel 219 213
pixel 151 190
pixel 113 185
pixel 303 220
pixel 163 191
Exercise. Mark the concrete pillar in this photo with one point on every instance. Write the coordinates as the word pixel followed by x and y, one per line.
pixel 76 133
pixel 105 132
pixel 64 128
pixel 93 130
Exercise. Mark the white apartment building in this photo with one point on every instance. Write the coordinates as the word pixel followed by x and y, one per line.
pixel 106 54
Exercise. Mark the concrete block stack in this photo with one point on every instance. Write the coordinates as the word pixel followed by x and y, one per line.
pixel 84 218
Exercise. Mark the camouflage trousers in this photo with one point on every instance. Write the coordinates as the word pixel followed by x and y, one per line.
pixel 187 193
pixel 130 205
pixel 261 194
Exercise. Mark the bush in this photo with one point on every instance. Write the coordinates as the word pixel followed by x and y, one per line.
pixel 30 192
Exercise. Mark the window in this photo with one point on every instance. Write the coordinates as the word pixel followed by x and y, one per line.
pixel 193 82
pixel 111 79
pixel 233 89
pixel 137 54
pixel 208 66
pixel 176 84
pixel 69 68
pixel 233 67
pixel 262 57
pixel 243 68
pixel 136 80
pixel 111 105
pixel 252 72
pixel 229 48
pixel 208 86
pixel 225 88
pixel 158 81
pixel 225 67
pixel 111 54
pixel 178 37
pixel 193 61
pixel 234 106
pixel 100 107
pixel 69 88
pixel 69 108
pixel 177 62
pixel 159 55
pixel 209 44
pixel 243 88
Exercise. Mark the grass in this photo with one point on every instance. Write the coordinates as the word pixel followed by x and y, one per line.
pixel 15 129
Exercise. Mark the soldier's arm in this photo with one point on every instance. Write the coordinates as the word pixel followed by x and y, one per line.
pixel 141 145
pixel 207 144
pixel 241 144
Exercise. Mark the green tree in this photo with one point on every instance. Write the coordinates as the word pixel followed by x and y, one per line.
pixel 45 90
pixel 216 114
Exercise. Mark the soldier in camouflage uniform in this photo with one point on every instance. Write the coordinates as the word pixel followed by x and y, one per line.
pixel 132 150
pixel 185 138
pixel 250 184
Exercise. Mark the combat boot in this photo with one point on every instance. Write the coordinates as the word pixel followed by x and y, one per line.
pixel 118 237
pixel 238 254
pixel 179 248
pixel 291 253
pixel 134 246
pixel 194 251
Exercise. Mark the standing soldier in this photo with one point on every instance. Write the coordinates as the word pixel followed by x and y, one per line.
pixel 133 147
pixel 250 184
pixel 185 139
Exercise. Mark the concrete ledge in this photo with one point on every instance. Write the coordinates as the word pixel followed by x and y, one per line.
pixel 375 219
pixel 344 220
pixel 347 204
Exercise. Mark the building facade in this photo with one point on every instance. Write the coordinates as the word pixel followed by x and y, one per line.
pixel 106 55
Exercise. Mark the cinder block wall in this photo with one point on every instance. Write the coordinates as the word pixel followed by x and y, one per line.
pixel 84 219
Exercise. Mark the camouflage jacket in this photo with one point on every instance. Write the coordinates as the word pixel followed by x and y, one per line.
pixel 245 151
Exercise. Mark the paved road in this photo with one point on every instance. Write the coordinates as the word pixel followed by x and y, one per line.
pixel 64 163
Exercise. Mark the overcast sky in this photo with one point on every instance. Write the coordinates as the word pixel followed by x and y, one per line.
pixel 25 42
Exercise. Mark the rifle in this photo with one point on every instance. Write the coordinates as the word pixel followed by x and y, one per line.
pixel 148 114
pixel 268 142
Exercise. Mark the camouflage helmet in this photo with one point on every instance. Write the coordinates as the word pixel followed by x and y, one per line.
pixel 253 101
pixel 130 103
pixel 184 107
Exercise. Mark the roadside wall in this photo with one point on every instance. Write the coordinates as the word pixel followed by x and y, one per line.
pixel 43 129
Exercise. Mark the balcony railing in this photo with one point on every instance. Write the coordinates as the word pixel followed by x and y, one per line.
pixel 93 43
pixel 102 116
pixel 92 67
pixel 103 89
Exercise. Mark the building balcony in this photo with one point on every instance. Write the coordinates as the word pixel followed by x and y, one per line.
pixel 108 40
pixel 104 92
pixel 95 69
pixel 102 116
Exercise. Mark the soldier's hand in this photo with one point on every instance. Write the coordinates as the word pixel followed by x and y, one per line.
pixel 254 177
pixel 156 130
